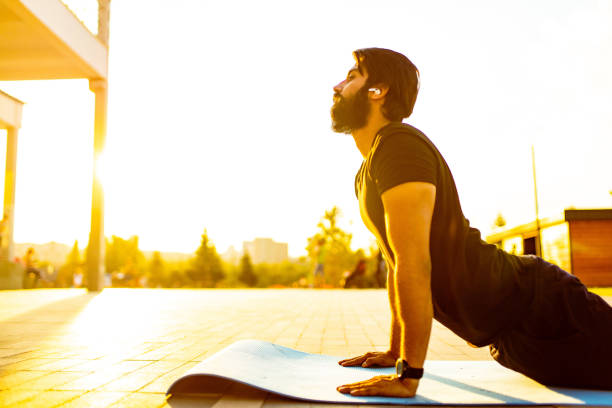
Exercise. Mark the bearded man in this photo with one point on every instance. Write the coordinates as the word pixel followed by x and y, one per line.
pixel 536 318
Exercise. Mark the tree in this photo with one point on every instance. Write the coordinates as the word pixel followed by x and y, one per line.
pixel 157 271
pixel 121 252
pixel 284 274
pixel 72 266
pixel 247 273
pixel 338 254
pixel 206 268
pixel 500 221
pixel 124 261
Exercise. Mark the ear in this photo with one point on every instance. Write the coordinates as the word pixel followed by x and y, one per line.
pixel 378 92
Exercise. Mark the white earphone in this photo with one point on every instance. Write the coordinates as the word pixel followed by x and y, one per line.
pixel 375 90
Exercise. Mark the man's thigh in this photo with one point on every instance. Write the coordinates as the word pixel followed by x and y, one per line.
pixel 566 336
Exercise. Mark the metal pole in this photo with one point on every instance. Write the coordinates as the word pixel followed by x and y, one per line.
pixel 95 253
pixel 537 209
pixel 8 218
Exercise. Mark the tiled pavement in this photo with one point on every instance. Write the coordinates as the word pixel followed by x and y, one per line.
pixel 124 347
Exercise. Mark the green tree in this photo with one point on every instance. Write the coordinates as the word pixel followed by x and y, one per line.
pixel 284 274
pixel 247 274
pixel 177 274
pixel 121 252
pixel 124 258
pixel 157 271
pixel 73 265
pixel 500 221
pixel 206 268
pixel 338 254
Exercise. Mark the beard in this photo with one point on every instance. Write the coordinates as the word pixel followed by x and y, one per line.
pixel 350 114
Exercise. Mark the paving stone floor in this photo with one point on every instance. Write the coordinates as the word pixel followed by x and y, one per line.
pixel 124 347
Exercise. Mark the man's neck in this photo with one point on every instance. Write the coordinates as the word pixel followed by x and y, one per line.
pixel 364 137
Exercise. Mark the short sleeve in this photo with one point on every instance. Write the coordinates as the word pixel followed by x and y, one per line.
pixel 402 158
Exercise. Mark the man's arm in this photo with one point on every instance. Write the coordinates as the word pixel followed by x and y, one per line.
pixel 408 212
pixel 396 328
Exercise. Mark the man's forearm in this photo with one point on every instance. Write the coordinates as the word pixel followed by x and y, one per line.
pixel 414 304
pixel 396 328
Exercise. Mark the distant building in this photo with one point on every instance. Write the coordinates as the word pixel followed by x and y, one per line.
pixel 265 250
pixel 580 243
pixel 231 255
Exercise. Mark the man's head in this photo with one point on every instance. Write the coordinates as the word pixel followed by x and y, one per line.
pixel 379 76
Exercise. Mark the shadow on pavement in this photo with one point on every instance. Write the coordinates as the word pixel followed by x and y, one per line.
pixel 47 321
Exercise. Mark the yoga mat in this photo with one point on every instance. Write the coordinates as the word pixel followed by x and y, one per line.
pixel 314 377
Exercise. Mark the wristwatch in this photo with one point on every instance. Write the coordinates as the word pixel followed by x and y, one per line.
pixel 404 370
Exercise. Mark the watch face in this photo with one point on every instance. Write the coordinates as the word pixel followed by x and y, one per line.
pixel 399 367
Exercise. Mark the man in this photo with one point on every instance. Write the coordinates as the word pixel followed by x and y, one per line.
pixel 536 318
pixel 31 274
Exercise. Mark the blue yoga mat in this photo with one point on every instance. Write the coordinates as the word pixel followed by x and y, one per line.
pixel 314 377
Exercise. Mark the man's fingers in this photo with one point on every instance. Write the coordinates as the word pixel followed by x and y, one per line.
pixel 351 361
pixel 365 391
pixel 347 360
pixel 351 386
pixel 354 360
pixel 387 385
pixel 380 360
pixel 367 387
pixel 346 388
pixel 370 362
pixel 363 383
pixel 380 389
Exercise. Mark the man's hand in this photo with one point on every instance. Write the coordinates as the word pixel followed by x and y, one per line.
pixel 385 385
pixel 372 359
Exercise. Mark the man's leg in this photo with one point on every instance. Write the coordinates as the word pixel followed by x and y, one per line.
pixel 566 339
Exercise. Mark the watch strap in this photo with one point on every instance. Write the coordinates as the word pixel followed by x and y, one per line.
pixel 405 371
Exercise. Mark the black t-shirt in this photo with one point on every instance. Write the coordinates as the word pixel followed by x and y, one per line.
pixel 478 290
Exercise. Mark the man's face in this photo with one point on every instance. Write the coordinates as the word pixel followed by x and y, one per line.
pixel 351 106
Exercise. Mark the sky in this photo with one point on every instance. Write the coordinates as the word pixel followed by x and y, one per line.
pixel 219 116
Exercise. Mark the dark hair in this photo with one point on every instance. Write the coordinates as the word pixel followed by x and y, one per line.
pixel 394 70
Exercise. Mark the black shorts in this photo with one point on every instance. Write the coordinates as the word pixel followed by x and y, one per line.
pixel 566 339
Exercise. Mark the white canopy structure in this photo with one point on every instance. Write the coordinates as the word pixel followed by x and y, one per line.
pixel 43 39
pixel 10 119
